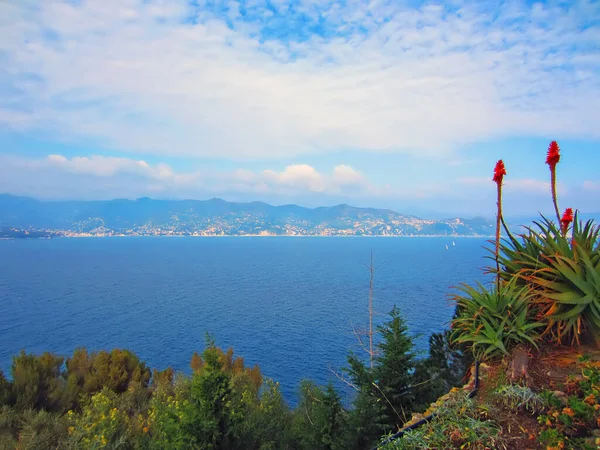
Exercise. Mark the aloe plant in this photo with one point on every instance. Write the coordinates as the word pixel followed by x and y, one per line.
pixel 566 281
pixel 524 253
pixel 563 274
pixel 493 321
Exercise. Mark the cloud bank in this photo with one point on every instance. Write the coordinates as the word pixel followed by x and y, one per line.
pixel 255 78
pixel 102 177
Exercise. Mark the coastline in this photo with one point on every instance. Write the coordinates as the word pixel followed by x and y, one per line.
pixel 251 236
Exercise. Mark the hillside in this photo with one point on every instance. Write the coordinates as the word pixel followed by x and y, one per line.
pixel 146 216
pixel 557 408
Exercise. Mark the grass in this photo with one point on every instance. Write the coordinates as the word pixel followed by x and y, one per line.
pixel 460 423
pixel 517 398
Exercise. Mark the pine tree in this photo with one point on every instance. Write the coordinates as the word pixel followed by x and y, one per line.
pixel 394 369
pixel 211 398
pixel 319 421
pixel 385 398
pixel 37 382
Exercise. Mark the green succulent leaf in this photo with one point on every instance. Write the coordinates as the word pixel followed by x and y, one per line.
pixel 494 320
pixel 562 273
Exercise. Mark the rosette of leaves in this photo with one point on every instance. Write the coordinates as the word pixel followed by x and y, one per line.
pixel 493 321
pixel 523 254
pixel 565 279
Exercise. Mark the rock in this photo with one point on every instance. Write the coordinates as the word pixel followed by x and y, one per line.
pixel 518 367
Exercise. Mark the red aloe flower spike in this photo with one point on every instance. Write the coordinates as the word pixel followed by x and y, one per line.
pixel 566 220
pixel 553 156
pixel 499 172
pixel 552 159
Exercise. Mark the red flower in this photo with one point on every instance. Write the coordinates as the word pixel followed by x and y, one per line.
pixel 553 156
pixel 567 218
pixel 499 172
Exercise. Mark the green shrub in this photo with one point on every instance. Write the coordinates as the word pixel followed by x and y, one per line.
pixel 563 274
pixel 36 381
pixel 568 426
pixel 9 426
pixel 493 321
pixel 102 424
pixel 41 430
pixel 520 398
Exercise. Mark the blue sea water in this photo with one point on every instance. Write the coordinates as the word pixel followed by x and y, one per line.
pixel 285 303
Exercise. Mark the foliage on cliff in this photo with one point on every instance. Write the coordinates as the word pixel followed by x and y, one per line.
pixel 111 400
pixel 546 292
pixel 560 410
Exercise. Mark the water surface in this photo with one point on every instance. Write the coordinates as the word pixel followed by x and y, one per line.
pixel 286 303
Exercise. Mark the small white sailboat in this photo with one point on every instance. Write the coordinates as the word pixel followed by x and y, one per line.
pixel 453 244
pixel 446 246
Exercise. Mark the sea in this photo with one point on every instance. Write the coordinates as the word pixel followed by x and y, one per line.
pixel 292 305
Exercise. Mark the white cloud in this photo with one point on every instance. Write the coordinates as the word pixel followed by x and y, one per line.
pixel 306 177
pixel 346 175
pixel 296 176
pixel 114 172
pixel 101 177
pixel 164 77
pixel 109 166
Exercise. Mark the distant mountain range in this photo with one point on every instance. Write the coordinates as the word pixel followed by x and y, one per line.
pixel 146 216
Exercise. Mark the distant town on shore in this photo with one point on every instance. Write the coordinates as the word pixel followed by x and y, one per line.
pixel 23 217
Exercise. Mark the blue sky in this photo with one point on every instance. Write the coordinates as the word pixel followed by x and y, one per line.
pixel 398 104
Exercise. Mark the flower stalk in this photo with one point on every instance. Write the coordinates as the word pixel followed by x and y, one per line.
pixel 499 172
pixel 552 159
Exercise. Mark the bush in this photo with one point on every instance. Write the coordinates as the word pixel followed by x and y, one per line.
pixel 36 381
pixel 571 425
pixel 520 398
pixel 493 321
pixel 319 420
pixel 564 276
pixel 41 430
pixel 116 370
pixel 9 426
pixel 5 390
pixel 103 424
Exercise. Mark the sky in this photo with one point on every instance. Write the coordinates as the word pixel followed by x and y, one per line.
pixel 396 104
